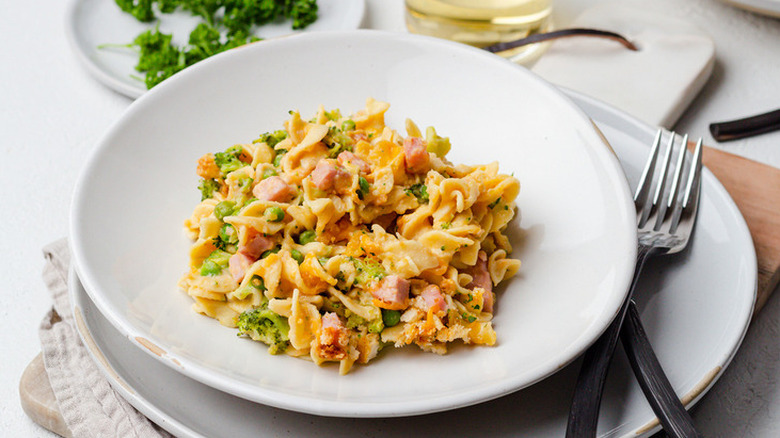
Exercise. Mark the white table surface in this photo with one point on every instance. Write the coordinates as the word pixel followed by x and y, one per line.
pixel 52 113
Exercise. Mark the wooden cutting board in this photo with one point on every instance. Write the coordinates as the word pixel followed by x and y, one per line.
pixel 755 188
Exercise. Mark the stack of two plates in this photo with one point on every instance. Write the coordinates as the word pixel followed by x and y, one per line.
pixel 575 235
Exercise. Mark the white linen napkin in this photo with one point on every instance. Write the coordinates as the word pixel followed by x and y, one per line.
pixel 90 407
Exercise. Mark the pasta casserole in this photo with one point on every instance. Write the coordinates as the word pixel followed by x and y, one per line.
pixel 337 236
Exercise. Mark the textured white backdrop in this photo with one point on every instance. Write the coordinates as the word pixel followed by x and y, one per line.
pixel 52 112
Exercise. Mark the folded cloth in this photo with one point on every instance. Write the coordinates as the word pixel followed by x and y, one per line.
pixel 90 407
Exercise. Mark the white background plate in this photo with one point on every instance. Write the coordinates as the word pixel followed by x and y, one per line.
pixel 91 23
pixel 695 315
pixel 576 215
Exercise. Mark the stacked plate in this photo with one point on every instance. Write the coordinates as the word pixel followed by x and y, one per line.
pixel 575 235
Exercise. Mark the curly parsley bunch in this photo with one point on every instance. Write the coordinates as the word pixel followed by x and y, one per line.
pixel 160 58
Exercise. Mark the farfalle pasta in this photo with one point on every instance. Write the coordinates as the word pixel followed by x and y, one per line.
pixel 336 236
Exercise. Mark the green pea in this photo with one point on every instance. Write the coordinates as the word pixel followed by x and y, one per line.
pixel 274 214
pixel 257 282
pixel 269 252
pixel 307 236
pixel 297 256
pixel 391 317
pixel 228 234
pixel 224 208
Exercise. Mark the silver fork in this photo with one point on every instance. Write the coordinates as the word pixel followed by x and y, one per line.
pixel 666 213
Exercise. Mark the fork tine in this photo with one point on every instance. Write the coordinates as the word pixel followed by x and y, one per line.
pixel 643 188
pixel 659 190
pixel 658 200
pixel 694 179
pixel 641 197
pixel 678 172
pixel 690 199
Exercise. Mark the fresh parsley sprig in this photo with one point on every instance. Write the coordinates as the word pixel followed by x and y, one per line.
pixel 160 59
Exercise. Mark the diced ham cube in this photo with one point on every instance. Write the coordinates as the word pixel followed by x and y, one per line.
pixel 238 265
pixel 247 254
pixel 348 157
pixel 433 298
pixel 481 275
pixel 331 320
pixel 328 174
pixel 481 278
pixel 274 189
pixel 392 292
pixel 256 245
pixel 416 155
pixel 358 136
pixel 333 338
pixel 487 301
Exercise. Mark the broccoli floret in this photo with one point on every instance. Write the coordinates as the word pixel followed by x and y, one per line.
pixel 215 263
pixel 337 142
pixel 376 326
pixel 272 138
pixel 207 188
pixel 368 270
pixel 229 161
pixel 266 326
pixel 354 321
pixel 420 191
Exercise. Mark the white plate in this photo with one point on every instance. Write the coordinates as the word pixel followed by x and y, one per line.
pixel 764 7
pixel 696 308
pixel 92 23
pixel 577 216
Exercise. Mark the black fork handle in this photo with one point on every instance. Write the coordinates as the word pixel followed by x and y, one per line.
pixel 651 377
pixel 584 412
